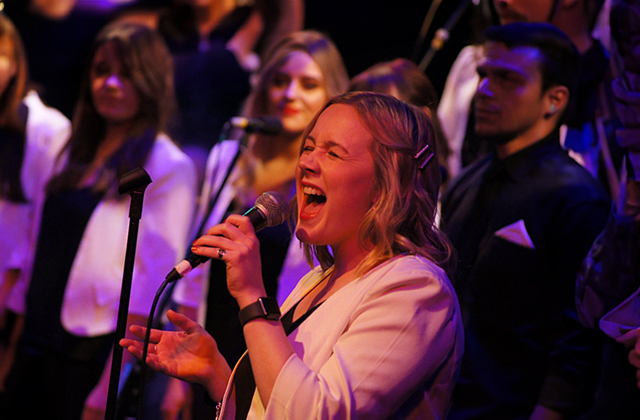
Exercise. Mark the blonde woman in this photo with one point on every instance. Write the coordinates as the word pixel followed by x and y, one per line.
pixel 374 331
pixel 299 74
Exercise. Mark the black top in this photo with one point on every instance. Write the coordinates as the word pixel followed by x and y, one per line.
pixel 12 148
pixel 523 342
pixel 222 309
pixel 210 84
pixel 64 218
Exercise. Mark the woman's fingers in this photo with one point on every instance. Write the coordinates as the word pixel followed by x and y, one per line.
pixel 242 223
pixel 182 321
pixel 235 235
pixel 140 331
pixel 135 348
pixel 132 346
pixel 235 242
pixel 237 228
pixel 209 246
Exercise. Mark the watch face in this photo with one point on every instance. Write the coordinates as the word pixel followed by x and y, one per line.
pixel 264 307
pixel 271 308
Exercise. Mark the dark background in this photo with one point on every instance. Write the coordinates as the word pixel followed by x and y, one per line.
pixel 367 32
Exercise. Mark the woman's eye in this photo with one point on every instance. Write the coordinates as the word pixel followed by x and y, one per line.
pixel 311 85
pixel 125 74
pixel 280 81
pixel 101 69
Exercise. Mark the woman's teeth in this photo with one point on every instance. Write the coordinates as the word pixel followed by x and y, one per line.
pixel 314 195
pixel 312 191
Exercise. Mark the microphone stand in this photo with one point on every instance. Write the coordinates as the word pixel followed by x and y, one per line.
pixel 442 35
pixel 134 183
pixel 137 373
pixel 241 144
pixel 426 24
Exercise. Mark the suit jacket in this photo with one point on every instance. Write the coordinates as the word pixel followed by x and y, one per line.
pixel 522 226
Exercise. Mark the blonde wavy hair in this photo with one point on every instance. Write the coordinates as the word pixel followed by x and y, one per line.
pixel 403 217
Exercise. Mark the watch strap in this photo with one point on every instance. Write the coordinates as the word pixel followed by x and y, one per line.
pixel 264 307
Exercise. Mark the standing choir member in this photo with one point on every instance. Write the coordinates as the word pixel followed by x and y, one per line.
pixel 63 362
pixel 374 331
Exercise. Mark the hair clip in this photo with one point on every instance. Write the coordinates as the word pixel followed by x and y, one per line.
pixel 426 159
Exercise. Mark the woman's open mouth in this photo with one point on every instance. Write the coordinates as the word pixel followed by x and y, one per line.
pixel 314 200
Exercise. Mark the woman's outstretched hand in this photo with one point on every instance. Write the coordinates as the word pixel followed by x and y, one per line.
pixel 191 354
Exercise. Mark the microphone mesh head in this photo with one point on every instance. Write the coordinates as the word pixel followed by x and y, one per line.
pixel 274 206
pixel 270 125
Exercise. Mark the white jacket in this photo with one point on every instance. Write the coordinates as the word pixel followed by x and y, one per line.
pixel 453 109
pixel 387 345
pixel 47 130
pixel 92 295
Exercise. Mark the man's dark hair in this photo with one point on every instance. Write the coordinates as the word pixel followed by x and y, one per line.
pixel 560 62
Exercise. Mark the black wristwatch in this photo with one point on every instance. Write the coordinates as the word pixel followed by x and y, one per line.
pixel 264 307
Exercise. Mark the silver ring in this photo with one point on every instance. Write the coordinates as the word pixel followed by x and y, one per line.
pixel 221 253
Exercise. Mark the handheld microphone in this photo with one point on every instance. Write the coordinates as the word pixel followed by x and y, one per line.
pixel 264 125
pixel 270 209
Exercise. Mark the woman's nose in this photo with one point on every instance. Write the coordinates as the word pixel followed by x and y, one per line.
pixel 308 162
pixel 113 81
pixel 291 91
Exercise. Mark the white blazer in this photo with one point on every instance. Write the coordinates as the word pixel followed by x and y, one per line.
pixel 453 109
pixel 92 295
pixel 387 345
pixel 47 130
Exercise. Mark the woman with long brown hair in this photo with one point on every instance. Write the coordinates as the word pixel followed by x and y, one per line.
pixel 31 136
pixel 62 366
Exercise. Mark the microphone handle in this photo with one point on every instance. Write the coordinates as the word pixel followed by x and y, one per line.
pixel 258 220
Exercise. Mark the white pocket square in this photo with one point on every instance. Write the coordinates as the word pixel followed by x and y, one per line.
pixel 516 233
